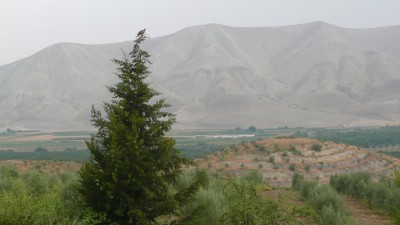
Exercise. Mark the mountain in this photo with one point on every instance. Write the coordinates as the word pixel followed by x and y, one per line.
pixel 313 74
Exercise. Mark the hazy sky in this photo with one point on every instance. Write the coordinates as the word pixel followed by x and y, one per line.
pixel 27 26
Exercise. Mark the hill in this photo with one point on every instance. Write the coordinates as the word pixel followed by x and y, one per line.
pixel 314 74
pixel 278 159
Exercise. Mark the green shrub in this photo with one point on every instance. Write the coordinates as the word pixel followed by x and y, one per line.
pixel 292 167
pixel 271 159
pixel 297 181
pixel 324 195
pixel 316 147
pixel 36 182
pixel 331 217
pixel 340 183
pixel 261 148
pixel 252 208
pixel 10 171
pixel 254 177
pixel 306 188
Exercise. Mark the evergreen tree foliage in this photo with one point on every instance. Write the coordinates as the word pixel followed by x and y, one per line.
pixel 133 164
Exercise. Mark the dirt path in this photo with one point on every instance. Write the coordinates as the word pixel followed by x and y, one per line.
pixel 291 197
pixel 362 214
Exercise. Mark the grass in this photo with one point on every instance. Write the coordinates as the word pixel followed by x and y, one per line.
pixel 75 156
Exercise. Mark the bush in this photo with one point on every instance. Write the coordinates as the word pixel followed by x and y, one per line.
pixel 316 147
pixel 9 171
pixel 252 208
pixel 297 181
pixel 331 217
pixel 261 148
pixel 292 167
pixel 325 195
pixel 271 159
pixel 254 177
pixel 36 183
pixel 306 188
pixel 340 183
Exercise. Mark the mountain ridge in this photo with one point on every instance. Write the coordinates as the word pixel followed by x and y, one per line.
pixel 313 74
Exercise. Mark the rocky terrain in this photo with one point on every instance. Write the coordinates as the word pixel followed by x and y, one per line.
pixel 278 159
pixel 216 76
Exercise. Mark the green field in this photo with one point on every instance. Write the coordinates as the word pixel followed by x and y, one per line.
pixel 26 142
pixel 191 143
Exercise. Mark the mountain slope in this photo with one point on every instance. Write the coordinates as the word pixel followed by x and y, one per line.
pixel 312 74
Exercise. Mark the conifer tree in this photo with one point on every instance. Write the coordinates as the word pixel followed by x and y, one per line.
pixel 132 162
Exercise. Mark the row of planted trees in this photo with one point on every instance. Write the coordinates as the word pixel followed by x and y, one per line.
pixel 324 200
pixel 382 195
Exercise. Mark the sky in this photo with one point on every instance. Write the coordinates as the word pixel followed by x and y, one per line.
pixel 28 26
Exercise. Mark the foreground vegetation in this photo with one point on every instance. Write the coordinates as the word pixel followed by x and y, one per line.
pixel 36 197
pixel 383 196
pixel 324 200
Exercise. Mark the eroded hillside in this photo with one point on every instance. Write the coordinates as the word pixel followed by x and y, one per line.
pixel 278 159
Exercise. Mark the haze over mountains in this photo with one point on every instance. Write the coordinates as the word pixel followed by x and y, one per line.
pixel 215 76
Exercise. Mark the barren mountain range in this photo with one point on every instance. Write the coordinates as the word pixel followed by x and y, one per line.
pixel 216 76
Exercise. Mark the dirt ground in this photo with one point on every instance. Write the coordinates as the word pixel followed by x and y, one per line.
pixel 362 214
